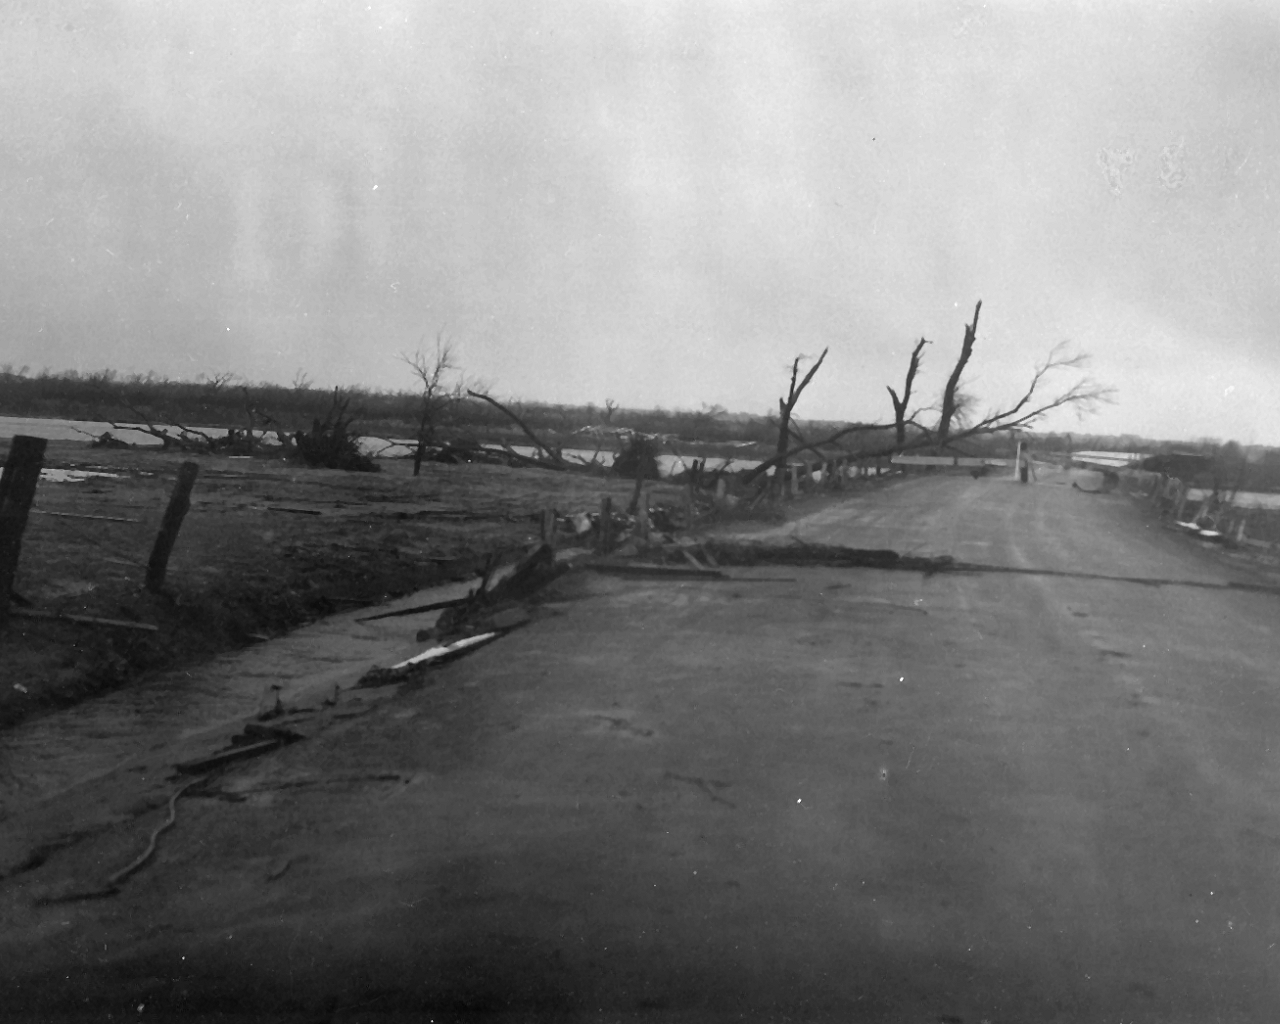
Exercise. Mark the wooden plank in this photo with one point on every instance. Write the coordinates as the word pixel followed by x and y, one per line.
pixel 75 515
pixel 658 571
pixel 434 606
pixel 88 620
pixel 434 654
pixel 217 760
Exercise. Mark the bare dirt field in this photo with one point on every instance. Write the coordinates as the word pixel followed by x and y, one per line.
pixel 267 545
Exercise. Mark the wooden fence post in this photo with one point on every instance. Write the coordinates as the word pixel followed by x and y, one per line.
pixel 642 516
pixel 549 527
pixel 179 504
pixel 17 488
pixel 606 524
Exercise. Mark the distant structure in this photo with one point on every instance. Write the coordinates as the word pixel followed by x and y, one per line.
pixel 1183 465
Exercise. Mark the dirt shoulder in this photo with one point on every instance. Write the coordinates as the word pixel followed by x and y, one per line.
pixel 267 546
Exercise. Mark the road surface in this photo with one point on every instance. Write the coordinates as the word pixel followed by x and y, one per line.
pixel 804 794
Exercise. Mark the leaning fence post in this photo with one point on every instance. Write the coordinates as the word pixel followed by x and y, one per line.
pixel 606 524
pixel 642 516
pixel 179 503
pixel 17 488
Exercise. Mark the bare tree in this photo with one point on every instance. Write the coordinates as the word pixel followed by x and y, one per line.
pixel 900 404
pixel 610 407
pixel 437 395
pixel 786 406
pixel 1085 394
pixel 214 382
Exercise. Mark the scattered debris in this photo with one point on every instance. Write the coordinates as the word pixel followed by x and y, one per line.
pixel 262 731
pixel 114 880
pixel 727 552
pixel 108 440
pixel 51 475
pixel 112 884
pixel 224 757
pixel 296 511
pixel 378 676
pixel 655 570
pixel 76 515
pixel 434 606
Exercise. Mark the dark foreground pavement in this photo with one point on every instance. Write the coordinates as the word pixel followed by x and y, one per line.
pixel 817 794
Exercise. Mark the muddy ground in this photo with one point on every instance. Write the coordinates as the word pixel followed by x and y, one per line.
pixel 1041 792
pixel 267 546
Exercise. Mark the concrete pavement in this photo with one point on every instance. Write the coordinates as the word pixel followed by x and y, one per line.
pixel 819 795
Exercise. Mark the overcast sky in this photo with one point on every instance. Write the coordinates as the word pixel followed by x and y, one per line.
pixel 658 203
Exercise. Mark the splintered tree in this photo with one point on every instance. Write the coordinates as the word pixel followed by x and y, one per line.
pixel 900 404
pixel 437 394
pixel 786 406
pixel 1034 403
pixel 950 398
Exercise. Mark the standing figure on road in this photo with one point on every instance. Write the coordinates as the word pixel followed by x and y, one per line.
pixel 1025 466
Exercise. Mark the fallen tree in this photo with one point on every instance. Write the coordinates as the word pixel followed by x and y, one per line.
pixel 553 457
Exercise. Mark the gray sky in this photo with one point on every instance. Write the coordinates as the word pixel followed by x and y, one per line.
pixel 659 203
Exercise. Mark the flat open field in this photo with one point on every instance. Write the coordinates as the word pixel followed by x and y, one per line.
pixel 245 566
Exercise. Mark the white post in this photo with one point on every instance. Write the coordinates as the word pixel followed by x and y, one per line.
pixel 1017 461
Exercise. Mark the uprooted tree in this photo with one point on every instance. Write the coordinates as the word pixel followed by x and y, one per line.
pixel 1084 394
pixel 334 442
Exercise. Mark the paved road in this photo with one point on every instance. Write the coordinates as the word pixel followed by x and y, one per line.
pixel 813 794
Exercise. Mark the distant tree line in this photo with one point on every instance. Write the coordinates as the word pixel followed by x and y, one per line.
pixel 228 401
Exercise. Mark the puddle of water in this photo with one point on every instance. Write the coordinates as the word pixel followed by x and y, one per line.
pixel 72 476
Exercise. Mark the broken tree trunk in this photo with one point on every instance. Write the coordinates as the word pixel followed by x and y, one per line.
pixel 786 406
pixel 17 489
pixel 179 504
